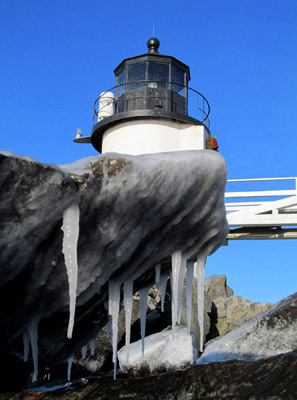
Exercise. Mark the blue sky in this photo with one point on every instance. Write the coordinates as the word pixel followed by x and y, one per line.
pixel 58 55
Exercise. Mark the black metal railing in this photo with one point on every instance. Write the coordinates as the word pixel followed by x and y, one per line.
pixel 141 95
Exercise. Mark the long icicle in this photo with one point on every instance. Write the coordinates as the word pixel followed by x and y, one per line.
pixel 158 275
pixel 200 296
pixel 33 333
pixel 176 262
pixel 113 310
pixel 163 284
pixel 69 368
pixel 143 294
pixel 70 228
pixel 93 346
pixel 26 340
pixel 190 273
pixel 181 279
pixel 128 302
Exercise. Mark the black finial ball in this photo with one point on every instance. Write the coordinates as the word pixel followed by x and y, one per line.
pixel 153 44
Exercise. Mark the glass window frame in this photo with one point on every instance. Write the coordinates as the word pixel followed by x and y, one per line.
pixel 122 89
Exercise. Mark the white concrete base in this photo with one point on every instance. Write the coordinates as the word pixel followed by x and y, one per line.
pixel 153 136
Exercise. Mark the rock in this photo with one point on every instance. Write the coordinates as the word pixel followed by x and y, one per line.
pixel 135 211
pixel 228 312
pixel 270 333
pixel 96 359
pixel 163 351
pixel 240 310
pixel 272 378
pixel 216 286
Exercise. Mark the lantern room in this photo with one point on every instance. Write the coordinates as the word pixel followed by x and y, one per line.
pixel 147 111
pixel 152 81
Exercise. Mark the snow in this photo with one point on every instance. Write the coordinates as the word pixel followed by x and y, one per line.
pixel 79 167
pixel 70 228
pixel 8 153
pixel 163 351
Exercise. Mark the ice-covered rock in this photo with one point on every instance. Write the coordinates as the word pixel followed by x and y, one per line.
pixel 134 213
pixel 164 351
pixel 269 333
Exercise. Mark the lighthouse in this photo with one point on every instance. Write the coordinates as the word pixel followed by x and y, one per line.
pixel 147 111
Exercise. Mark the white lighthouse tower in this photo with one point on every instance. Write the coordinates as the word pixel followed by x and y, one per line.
pixel 147 110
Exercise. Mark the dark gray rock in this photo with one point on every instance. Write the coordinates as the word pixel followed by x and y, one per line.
pixel 272 378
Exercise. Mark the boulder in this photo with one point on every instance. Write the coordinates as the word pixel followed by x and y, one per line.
pixel 216 286
pixel 228 312
pixel 268 334
pixel 99 359
pixel 163 351
pixel 134 212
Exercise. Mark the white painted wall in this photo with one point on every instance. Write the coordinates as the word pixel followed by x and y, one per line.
pixel 153 136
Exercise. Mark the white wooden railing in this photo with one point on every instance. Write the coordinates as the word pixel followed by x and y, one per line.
pixel 269 208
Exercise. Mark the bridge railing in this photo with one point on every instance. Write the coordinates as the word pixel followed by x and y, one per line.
pixel 264 207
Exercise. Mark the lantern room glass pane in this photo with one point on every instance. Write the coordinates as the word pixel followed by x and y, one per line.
pixel 121 84
pixel 178 80
pixel 136 72
pixel 158 75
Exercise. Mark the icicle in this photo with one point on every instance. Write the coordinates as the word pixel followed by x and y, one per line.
pixel 143 293
pixel 70 228
pixel 26 340
pixel 33 333
pixel 200 296
pixel 176 262
pixel 158 272
pixel 128 301
pixel 190 271
pixel 163 284
pixel 84 351
pixel 181 279
pixel 108 327
pixel 93 345
pixel 69 368
pixel 113 309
